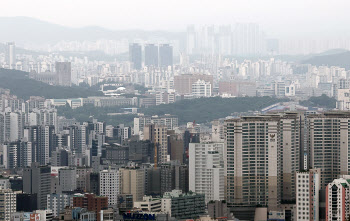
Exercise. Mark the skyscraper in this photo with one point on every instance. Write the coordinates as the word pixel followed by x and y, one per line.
pixel 151 55
pixel 135 55
pixel 64 73
pixel 328 144
pixel 165 55
pixel 11 55
pixel 36 179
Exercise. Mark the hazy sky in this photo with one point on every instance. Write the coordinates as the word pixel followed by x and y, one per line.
pixel 277 17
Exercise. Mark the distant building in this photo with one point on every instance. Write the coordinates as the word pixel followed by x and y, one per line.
pixel 165 55
pixel 11 55
pixel 201 88
pixel 183 83
pixel 64 73
pixel 135 55
pixel 151 55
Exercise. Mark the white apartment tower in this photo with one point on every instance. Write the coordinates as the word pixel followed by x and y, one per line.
pixel 206 170
pixel 307 195
pixel 7 204
pixel 338 200
pixel 110 185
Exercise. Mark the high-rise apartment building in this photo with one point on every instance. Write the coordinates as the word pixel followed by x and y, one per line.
pixel 267 146
pixel 135 55
pixel 11 55
pixel 64 73
pixel 110 185
pixel 337 200
pixel 165 55
pixel 307 195
pixel 206 170
pixel 7 204
pixel 151 55
pixel 36 179
pixel 328 144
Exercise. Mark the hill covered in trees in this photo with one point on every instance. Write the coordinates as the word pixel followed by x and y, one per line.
pixel 340 59
pixel 322 101
pixel 19 84
pixel 201 110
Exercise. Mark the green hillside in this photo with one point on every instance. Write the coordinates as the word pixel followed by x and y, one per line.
pixel 20 85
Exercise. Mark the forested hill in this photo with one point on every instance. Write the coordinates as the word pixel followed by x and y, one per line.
pixel 340 59
pixel 19 84
pixel 204 110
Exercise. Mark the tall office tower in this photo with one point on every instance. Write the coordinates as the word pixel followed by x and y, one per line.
pixel 165 55
pixel 132 182
pixel 337 200
pixel 151 55
pixel 307 195
pixel 36 179
pixel 7 204
pixel 11 55
pixel 206 170
pixel 328 144
pixel 110 185
pixel 14 123
pixel 267 146
pixel 67 179
pixel 64 73
pixel 135 55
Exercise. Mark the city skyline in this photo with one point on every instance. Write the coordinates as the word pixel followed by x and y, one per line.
pixel 276 17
